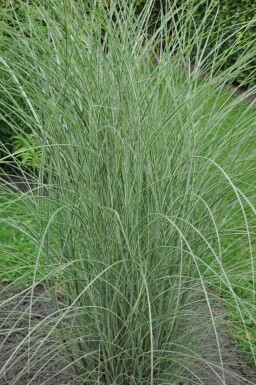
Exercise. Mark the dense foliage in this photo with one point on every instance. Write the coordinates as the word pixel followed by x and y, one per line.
pixel 216 21
pixel 143 204
pixel 220 17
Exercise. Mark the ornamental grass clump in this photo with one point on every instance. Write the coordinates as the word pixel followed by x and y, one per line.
pixel 143 201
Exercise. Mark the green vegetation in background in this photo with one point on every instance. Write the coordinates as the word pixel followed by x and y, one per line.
pixel 14 132
pixel 221 17
pixel 18 253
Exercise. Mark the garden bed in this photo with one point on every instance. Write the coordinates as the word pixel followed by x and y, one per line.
pixel 49 364
pixel 16 320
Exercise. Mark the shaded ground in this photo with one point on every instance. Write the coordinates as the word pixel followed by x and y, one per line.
pixel 45 356
pixel 227 368
pixel 48 363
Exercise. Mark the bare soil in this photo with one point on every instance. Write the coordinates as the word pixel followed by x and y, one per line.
pixel 47 362
pixel 40 359
pixel 226 364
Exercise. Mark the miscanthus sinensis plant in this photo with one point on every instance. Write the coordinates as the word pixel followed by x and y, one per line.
pixel 143 195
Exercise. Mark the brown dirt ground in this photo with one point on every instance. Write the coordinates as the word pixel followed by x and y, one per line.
pixel 48 361
pixel 14 326
pixel 235 370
